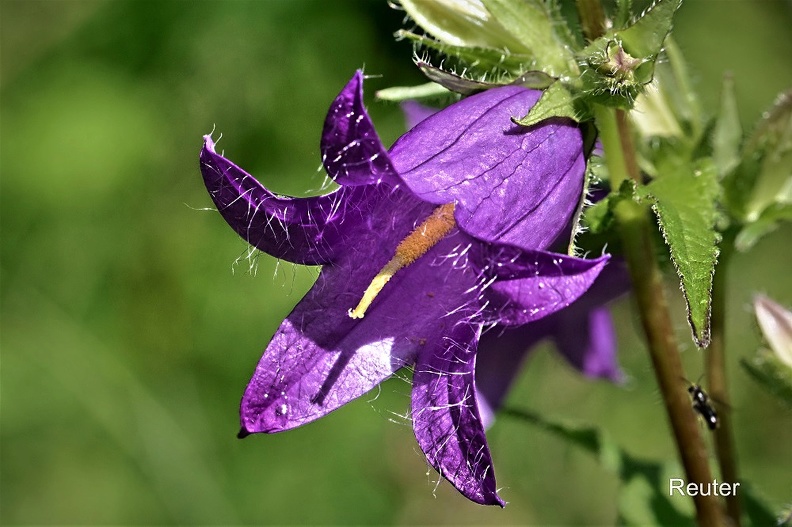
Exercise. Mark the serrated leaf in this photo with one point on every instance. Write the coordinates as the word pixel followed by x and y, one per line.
pixel 430 90
pixel 644 497
pixel 684 202
pixel 463 24
pixel 767 222
pixel 645 37
pixel 556 101
pixel 727 134
pixel 533 23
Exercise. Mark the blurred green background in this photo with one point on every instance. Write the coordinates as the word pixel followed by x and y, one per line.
pixel 132 317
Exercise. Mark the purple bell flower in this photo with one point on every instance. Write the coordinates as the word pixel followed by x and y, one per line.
pixel 423 247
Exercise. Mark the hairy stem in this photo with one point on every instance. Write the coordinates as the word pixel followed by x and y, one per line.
pixel 659 331
pixel 716 377
pixel 636 233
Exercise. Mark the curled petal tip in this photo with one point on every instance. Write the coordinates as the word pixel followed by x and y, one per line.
pixel 243 433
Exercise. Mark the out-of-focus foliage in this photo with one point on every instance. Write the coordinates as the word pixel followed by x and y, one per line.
pixel 132 318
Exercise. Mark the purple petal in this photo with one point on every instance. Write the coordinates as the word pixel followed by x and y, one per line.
pixel 446 419
pixel 501 352
pixel 352 152
pixel 589 343
pixel 511 184
pixel 307 231
pixel 415 112
pixel 592 348
pixel 529 285
pixel 320 358
pixel 583 334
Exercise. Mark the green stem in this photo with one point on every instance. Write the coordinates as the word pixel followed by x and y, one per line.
pixel 716 377
pixel 636 233
pixel 592 18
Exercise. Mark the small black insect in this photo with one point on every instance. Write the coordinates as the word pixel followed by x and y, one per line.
pixel 703 406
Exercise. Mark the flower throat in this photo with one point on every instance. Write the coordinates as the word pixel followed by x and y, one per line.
pixel 416 244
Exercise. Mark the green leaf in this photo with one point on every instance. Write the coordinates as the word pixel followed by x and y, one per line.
pixel 644 38
pixel 539 30
pixel 462 24
pixel 767 222
pixel 757 507
pixel 556 101
pixel 644 498
pixel 430 90
pixel 684 201
pixel 727 134
pixel 772 374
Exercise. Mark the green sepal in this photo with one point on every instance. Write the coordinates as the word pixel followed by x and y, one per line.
pixel 772 374
pixel 540 30
pixel 684 201
pixel 458 84
pixel 727 133
pixel 767 222
pixel 484 60
pixel 422 92
pixel 644 497
pixel 537 80
pixel 556 101
pixel 608 75
pixel 452 81
pixel 644 38
pixel 620 63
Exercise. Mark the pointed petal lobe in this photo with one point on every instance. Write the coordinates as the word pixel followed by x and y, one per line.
pixel 446 418
pixel 301 230
pixel 530 285
pixel 352 152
